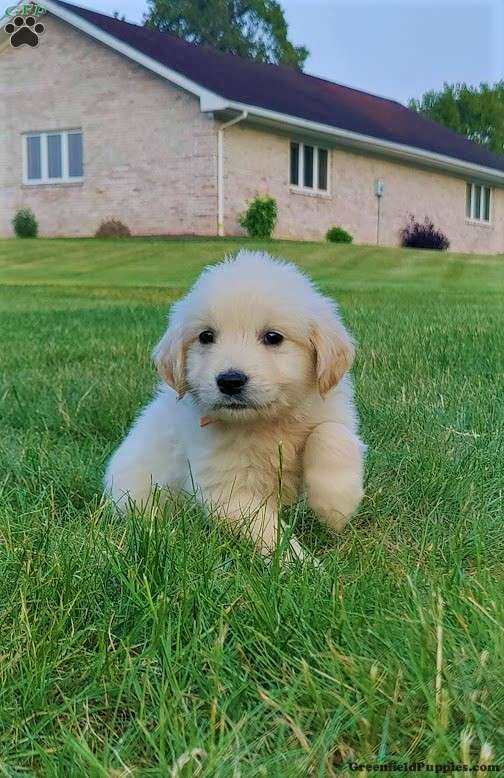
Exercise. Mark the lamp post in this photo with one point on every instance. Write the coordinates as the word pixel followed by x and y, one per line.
pixel 379 190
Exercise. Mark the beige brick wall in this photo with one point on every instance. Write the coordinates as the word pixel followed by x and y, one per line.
pixel 149 153
pixel 258 162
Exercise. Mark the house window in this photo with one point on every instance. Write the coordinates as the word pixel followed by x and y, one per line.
pixel 309 167
pixel 53 157
pixel 478 202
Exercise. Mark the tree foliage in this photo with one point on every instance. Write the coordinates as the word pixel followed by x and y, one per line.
pixel 476 112
pixel 251 28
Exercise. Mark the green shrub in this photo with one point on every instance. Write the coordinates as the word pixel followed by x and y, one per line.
pixel 338 235
pixel 25 224
pixel 260 217
pixel 113 228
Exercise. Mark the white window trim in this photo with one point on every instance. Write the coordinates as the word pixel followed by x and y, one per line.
pixel 65 177
pixel 472 219
pixel 310 190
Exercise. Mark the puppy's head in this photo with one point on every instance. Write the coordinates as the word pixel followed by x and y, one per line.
pixel 253 338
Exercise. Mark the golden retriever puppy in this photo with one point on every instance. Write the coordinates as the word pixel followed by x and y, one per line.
pixel 256 407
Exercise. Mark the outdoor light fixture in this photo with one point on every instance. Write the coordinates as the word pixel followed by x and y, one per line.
pixel 379 190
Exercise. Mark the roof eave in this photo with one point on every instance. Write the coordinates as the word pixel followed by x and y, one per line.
pixel 365 143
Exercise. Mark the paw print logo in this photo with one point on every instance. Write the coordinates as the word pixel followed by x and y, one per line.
pixel 24 31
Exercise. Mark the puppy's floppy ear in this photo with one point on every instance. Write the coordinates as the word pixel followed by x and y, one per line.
pixel 170 357
pixel 334 348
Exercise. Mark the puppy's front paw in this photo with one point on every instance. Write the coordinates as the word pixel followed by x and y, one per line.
pixel 336 520
pixel 333 474
pixel 334 502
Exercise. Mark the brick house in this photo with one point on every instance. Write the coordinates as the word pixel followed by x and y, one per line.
pixel 106 119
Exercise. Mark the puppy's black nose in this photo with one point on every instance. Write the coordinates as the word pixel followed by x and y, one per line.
pixel 231 381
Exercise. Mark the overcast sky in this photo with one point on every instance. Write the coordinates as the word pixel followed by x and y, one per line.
pixel 395 49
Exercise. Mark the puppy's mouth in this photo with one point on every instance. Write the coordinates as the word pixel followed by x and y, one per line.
pixel 227 405
pixel 238 407
pixel 235 405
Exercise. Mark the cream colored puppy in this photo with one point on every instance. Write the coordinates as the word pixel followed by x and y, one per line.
pixel 256 397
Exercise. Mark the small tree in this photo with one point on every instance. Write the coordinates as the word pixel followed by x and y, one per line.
pixel 25 224
pixel 260 217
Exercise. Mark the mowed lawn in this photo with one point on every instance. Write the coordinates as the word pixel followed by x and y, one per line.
pixel 161 646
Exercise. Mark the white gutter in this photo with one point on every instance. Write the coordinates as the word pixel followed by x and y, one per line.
pixel 369 143
pixel 220 170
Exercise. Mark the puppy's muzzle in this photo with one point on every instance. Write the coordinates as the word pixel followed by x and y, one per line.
pixel 231 382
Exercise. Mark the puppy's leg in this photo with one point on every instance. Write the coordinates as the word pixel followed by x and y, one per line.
pixel 333 466
pixel 263 528
pixel 147 458
pixel 258 522
pixel 261 525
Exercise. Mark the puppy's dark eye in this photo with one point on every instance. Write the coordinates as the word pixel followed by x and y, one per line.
pixel 207 336
pixel 272 338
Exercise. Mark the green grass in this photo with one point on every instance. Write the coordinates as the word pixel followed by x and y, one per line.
pixel 126 645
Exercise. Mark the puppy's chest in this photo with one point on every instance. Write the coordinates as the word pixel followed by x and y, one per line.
pixel 252 461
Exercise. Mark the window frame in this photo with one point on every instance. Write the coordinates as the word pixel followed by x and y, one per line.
pixel 300 188
pixel 65 177
pixel 470 200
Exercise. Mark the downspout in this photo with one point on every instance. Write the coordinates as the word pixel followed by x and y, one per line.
pixel 220 170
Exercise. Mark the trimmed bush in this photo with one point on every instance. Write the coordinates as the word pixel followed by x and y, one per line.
pixel 113 228
pixel 260 217
pixel 25 224
pixel 417 235
pixel 338 235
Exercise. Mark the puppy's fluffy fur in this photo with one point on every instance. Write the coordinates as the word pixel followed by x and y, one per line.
pixel 298 400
